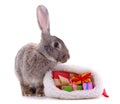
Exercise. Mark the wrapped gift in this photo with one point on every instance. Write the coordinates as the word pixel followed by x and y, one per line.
pixel 79 87
pixel 71 88
pixel 86 77
pixel 56 74
pixel 87 86
pixel 61 78
pixel 81 78
pixel 76 79
pixel 57 83
pixel 64 81
pixel 67 88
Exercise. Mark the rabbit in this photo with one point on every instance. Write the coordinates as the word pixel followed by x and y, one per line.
pixel 34 60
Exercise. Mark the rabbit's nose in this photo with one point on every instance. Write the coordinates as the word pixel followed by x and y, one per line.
pixel 68 56
pixel 64 58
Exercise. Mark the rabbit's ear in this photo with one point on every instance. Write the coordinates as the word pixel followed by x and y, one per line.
pixel 43 19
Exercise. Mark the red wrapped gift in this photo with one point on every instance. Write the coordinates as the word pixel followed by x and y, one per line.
pixel 56 74
pixel 61 78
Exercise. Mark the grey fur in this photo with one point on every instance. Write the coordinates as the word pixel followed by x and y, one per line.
pixel 33 60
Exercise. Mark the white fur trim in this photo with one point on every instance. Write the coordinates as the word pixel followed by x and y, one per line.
pixel 52 91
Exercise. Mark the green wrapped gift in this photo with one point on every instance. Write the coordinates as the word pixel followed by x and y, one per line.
pixel 70 88
pixel 67 88
pixel 79 87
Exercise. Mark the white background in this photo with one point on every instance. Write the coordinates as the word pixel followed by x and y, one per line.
pixel 89 28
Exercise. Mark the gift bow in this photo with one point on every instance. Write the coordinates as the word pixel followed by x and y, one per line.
pixel 81 78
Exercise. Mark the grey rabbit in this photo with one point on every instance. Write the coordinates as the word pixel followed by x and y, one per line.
pixel 34 60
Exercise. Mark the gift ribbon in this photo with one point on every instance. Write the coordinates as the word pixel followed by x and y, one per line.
pixel 86 86
pixel 81 78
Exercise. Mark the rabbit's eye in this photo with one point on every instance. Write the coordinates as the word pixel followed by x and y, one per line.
pixel 56 45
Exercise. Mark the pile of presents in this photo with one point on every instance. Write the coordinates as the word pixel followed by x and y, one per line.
pixel 72 81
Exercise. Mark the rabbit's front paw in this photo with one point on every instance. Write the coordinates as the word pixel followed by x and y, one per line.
pixel 27 93
pixel 39 91
pixel 26 90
